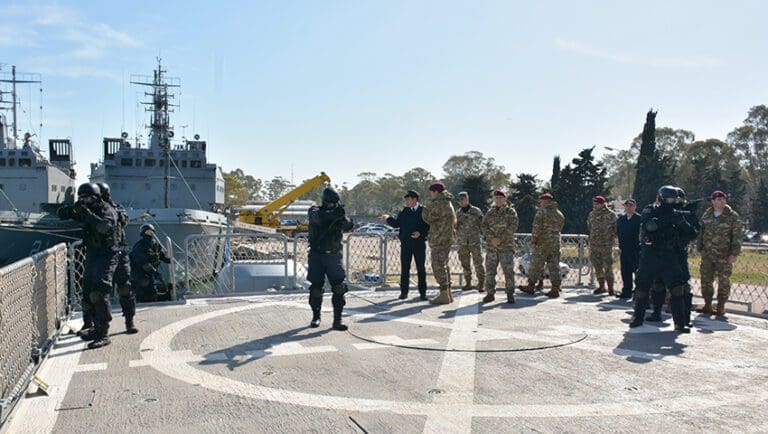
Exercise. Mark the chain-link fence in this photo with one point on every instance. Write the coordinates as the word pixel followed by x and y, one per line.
pixel 33 305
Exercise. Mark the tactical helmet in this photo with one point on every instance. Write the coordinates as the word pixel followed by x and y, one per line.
pixel 329 195
pixel 667 193
pixel 146 226
pixel 88 189
pixel 104 188
pixel 681 194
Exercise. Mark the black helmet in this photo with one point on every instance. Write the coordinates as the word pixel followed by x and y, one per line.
pixel 146 226
pixel 104 188
pixel 329 195
pixel 667 194
pixel 681 193
pixel 88 189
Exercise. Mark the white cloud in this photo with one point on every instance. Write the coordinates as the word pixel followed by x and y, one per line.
pixel 588 50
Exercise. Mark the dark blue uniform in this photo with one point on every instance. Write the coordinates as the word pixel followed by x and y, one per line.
pixel 628 233
pixel 410 221
pixel 326 224
pixel 145 260
pixel 123 271
pixel 661 234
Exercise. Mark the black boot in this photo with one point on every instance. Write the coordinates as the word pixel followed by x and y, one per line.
pixel 315 318
pixel 656 315
pixel 403 295
pixel 86 329
pixel 88 335
pixel 637 318
pixel 337 324
pixel 129 327
pixel 677 305
pixel 101 338
pixel 423 295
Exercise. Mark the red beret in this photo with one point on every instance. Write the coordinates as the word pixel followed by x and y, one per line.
pixel 499 192
pixel 598 199
pixel 437 186
pixel 546 196
pixel 716 194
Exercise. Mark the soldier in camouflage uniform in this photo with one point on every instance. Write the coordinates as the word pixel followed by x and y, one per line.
pixel 545 245
pixel 602 236
pixel 469 219
pixel 719 244
pixel 499 226
pixel 441 218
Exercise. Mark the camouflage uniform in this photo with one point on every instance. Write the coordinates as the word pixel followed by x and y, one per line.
pixel 500 222
pixel 545 244
pixel 468 227
pixel 441 218
pixel 720 238
pixel 602 236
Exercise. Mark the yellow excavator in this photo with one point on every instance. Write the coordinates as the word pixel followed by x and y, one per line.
pixel 269 214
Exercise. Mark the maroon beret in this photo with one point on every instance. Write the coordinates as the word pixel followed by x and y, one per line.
pixel 546 196
pixel 499 192
pixel 598 199
pixel 437 186
pixel 716 194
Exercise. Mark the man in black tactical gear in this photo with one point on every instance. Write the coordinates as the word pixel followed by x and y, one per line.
pixel 100 236
pixel 326 224
pixel 121 278
pixel 658 293
pixel 663 229
pixel 145 262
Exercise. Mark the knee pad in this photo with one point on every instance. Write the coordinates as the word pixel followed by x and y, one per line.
pixel 339 289
pixel 124 290
pixel 316 291
pixel 642 294
pixel 677 291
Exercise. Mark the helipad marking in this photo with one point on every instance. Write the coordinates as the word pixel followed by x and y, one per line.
pixel 160 342
pixel 91 367
pixel 290 349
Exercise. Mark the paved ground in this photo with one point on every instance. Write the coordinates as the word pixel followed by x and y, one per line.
pixel 252 365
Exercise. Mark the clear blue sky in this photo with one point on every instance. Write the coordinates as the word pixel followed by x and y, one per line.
pixel 384 86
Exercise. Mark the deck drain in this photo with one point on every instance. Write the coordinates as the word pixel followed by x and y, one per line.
pixel 267 373
pixel 151 400
pixel 436 391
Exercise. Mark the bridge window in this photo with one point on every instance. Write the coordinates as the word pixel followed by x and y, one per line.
pixel 162 163
pixel 11 162
pixel 2 162
pixel 195 164
pixel 53 188
pixel 127 162
pixel 138 162
pixel 25 162
pixel 62 188
pixel 149 163
pixel 183 164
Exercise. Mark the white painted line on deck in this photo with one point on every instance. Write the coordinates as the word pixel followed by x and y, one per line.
pixel 91 367
pixel 39 414
pixel 291 349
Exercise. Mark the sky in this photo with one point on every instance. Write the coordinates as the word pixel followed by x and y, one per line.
pixel 292 88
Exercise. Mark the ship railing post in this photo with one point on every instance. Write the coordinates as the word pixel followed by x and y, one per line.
pixel 171 267
pixel 186 264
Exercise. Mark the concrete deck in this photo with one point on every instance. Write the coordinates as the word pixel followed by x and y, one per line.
pixel 540 365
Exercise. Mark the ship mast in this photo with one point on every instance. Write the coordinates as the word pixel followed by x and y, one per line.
pixel 14 101
pixel 161 131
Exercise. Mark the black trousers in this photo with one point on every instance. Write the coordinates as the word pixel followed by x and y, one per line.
pixel 322 265
pixel 629 261
pixel 413 250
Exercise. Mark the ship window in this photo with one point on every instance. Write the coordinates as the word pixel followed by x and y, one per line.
pixel 25 162
pixel 11 162
pixel 138 162
pixel 2 162
pixel 195 164
pixel 53 188
pixel 62 188
pixel 162 163
pixel 183 163
pixel 149 163
pixel 126 161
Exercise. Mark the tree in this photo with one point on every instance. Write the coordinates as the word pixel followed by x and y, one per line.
pixel 579 182
pixel 555 172
pixel 417 179
pixel 473 164
pixel 760 209
pixel 479 190
pixel 750 141
pixel 236 194
pixel 652 169
pixel 277 187
pixel 523 193
pixel 710 165
pixel 253 186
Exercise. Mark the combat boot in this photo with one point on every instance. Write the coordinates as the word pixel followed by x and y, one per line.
pixel 423 295
pixel 609 281
pixel 600 288
pixel 101 339
pixel 539 285
pixel 707 308
pixel 655 316
pixel 337 324
pixel 719 310
pixel 315 323
pixel 86 329
pixel 489 297
pixel 443 298
pixel 468 286
pixel 511 296
pixel 481 285
pixel 89 335
pixel 130 328
pixel 403 295
pixel 637 319
pixel 554 292
pixel 528 289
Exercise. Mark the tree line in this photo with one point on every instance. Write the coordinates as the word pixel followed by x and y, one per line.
pixel 737 165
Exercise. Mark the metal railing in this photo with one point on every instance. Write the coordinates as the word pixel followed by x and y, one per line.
pixel 33 306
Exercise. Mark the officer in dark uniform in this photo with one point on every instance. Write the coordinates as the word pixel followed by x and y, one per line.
pixel 122 275
pixel 658 294
pixel 661 232
pixel 145 262
pixel 413 243
pixel 326 224
pixel 100 236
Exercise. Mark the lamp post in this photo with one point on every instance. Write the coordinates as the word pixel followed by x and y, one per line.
pixel 629 171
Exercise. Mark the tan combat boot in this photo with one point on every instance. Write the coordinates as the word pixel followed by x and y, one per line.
pixel 555 291
pixel 481 285
pixel 490 296
pixel 443 298
pixel 707 308
pixel 719 310
pixel 528 289
pixel 600 288
pixel 610 286
pixel 468 286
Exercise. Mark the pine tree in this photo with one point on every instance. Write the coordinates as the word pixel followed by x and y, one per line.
pixel 555 173
pixel 523 193
pixel 651 170
pixel 579 182
pixel 760 209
